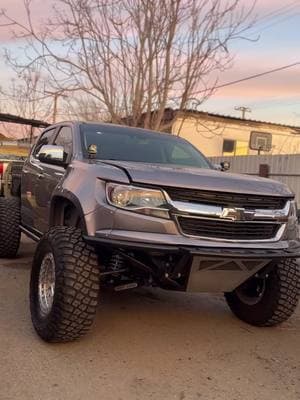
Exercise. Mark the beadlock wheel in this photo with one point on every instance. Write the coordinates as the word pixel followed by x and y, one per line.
pixel 46 284
pixel 64 285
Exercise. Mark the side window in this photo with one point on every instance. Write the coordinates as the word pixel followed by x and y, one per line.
pixel 235 147
pixel 45 138
pixel 64 138
pixel 228 147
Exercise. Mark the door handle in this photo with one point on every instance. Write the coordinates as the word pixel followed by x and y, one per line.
pixel 40 176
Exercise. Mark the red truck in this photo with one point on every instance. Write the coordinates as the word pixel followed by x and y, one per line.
pixel 9 164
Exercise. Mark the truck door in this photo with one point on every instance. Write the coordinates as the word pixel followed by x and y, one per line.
pixel 31 174
pixel 51 176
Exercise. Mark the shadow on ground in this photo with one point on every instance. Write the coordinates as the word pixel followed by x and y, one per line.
pixel 145 344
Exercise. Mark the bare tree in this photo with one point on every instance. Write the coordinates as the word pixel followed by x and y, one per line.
pixel 24 96
pixel 85 107
pixel 134 57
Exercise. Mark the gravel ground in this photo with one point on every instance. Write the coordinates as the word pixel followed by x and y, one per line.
pixel 146 344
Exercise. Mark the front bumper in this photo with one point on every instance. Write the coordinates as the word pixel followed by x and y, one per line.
pixel 200 267
pixel 175 243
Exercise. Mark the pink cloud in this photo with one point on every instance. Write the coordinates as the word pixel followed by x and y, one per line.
pixel 40 10
pixel 16 9
pixel 271 5
pixel 249 61
pixel 284 83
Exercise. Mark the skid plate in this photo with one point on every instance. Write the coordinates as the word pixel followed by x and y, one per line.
pixel 221 275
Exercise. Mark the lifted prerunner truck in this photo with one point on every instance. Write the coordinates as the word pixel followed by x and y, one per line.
pixel 124 207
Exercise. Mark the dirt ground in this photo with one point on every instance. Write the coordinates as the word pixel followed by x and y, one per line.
pixel 145 344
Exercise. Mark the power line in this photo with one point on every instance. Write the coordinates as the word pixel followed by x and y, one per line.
pixel 230 83
pixel 247 78
pixel 286 18
pixel 279 11
pixel 268 72
pixel 275 17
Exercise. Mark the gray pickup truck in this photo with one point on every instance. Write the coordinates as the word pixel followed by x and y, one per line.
pixel 124 207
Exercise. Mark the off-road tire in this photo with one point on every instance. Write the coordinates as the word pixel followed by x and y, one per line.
pixel 76 286
pixel 10 233
pixel 16 172
pixel 279 300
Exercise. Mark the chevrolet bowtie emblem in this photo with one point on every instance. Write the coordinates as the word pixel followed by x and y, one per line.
pixel 237 214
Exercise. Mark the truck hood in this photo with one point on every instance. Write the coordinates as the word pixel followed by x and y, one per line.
pixel 200 178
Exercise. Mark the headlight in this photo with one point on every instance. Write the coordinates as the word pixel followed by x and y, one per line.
pixel 140 200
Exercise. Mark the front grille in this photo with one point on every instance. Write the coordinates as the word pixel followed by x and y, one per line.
pixel 230 230
pixel 226 199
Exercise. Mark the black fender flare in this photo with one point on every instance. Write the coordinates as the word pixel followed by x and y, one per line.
pixel 70 198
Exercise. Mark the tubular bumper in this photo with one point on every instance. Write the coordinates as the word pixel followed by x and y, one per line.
pixel 290 250
pixel 211 267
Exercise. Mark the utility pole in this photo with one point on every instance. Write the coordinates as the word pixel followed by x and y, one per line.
pixel 56 96
pixel 31 135
pixel 243 110
pixel 55 107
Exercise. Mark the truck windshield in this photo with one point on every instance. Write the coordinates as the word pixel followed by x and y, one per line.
pixel 111 142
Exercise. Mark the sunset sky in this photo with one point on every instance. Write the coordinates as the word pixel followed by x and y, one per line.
pixel 275 97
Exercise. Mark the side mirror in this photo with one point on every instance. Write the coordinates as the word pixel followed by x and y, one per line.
pixel 217 167
pixel 52 155
pixel 225 165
